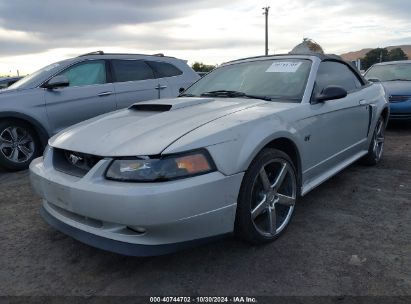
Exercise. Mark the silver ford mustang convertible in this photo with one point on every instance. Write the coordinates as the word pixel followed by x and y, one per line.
pixel 233 153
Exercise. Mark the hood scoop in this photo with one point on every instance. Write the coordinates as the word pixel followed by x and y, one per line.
pixel 164 105
pixel 151 107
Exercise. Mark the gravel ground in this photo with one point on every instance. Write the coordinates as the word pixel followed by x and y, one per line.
pixel 350 236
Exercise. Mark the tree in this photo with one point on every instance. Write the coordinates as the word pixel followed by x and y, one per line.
pixel 397 54
pixel 201 67
pixel 374 56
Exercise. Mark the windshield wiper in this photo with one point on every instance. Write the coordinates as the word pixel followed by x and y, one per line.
pixel 399 79
pixel 187 95
pixel 233 94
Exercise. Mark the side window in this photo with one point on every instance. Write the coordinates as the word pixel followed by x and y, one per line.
pixel 164 69
pixel 131 70
pixel 86 73
pixel 338 74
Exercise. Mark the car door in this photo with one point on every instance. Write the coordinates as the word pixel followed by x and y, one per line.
pixel 336 129
pixel 169 78
pixel 134 81
pixel 89 94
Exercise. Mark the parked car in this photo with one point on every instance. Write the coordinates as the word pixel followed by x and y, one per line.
pixel 233 153
pixel 67 92
pixel 396 78
pixel 5 82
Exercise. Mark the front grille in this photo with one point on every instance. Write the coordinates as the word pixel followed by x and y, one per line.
pixel 77 217
pixel 399 98
pixel 74 163
pixel 98 224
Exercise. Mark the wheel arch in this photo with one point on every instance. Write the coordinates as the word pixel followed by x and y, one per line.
pixel 284 143
pixel 289 147
pixel 35 124
pixel 385 113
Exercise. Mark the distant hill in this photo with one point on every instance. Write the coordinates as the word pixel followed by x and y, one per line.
pixel 360 54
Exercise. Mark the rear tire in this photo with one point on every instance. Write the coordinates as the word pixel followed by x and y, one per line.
pixel 19 145
pixel 376 148
pixel 267 197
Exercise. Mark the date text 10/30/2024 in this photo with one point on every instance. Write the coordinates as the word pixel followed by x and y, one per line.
pixel 239 299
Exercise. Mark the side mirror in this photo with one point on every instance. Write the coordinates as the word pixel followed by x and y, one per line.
pixel 181 90
pixel 374 80
pixel 330 93
pixel 58 81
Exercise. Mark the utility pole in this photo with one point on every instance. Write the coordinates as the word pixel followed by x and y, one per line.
pixel 266 9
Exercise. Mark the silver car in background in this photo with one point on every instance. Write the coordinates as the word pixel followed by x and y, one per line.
pixel 70 91
pixel 232 154
pixel 5 82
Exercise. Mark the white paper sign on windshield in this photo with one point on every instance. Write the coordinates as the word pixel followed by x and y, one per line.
pixel 284 67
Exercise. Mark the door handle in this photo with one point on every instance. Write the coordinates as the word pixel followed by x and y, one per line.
pixel 161 87
pixel 363 102
pixel 105 94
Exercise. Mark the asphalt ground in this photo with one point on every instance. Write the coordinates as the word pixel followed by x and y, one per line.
pixel 349 236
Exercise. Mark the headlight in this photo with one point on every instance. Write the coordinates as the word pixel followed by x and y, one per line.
pixel 162 169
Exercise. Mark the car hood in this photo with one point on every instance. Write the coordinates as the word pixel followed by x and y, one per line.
pixel 397 87
pixel 146 128
pixel 8 91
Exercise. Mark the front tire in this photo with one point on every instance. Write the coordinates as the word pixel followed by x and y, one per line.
pixel 267 197
pixel 376 147
pixel 19 145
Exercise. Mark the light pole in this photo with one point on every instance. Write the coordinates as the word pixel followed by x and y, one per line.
pixel 266 10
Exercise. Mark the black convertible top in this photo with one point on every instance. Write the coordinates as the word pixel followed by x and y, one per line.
pixel 322 57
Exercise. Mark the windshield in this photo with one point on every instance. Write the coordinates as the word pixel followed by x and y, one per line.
pixel 33 76
pixel 283 79
pixel 390 72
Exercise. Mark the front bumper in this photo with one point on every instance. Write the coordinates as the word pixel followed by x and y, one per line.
pixel 133 218
pixel 400 110
pixel 117 246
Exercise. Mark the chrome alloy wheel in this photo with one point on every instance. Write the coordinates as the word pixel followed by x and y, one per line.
pixel 273 197
pixel 378 140
pixel 16 144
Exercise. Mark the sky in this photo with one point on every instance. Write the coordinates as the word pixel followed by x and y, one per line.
pixel 39 32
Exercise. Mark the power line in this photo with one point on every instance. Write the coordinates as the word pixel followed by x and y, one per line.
pixel 266 10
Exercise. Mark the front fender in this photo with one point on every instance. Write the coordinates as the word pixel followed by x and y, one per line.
pixel 27 105
pixel 235 143
pixel 39 128
pixel 236 156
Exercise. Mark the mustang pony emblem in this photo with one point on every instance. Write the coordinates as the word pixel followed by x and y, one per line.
pixel 74 159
